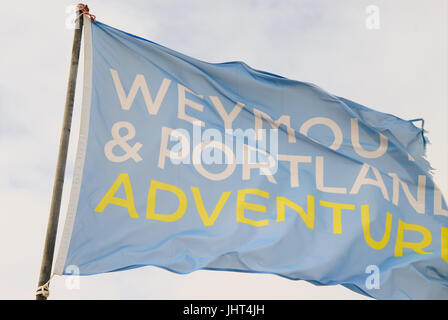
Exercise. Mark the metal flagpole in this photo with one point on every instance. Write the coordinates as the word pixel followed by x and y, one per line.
pixel 47 257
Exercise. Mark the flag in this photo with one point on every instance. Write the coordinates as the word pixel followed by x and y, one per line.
pixel 188 165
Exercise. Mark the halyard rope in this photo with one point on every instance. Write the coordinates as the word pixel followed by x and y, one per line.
pixel 85 11
pixel 44 289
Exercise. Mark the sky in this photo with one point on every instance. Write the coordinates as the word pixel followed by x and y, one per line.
pixel 398 66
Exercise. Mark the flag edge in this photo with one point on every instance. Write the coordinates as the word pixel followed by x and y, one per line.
pixel 81 150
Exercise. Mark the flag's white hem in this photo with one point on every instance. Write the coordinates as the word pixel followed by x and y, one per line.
pixel 81 151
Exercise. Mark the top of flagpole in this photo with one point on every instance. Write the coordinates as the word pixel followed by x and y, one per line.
pixel 84 10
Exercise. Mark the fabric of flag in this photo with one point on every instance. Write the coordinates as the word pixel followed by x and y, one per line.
pixel 188 165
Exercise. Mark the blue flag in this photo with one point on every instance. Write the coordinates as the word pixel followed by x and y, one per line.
pixel 189 165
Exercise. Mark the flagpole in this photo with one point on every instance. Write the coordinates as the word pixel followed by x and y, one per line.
pixel 50 238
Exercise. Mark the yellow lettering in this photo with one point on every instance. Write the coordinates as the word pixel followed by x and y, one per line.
pixel 308 218
pixel 337 213
pixel 242 205
pixel 206 219
pixel 123 178
pixel 445 244
pixel 365 218
pixel 151 207
pixel 416 246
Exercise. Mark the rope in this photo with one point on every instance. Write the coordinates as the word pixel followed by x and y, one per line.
pixel 85 11
pixel 44 289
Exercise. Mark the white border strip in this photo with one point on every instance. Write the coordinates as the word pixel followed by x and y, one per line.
pixel 81 152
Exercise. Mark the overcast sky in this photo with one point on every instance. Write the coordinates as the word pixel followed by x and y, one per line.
pixel 400 68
